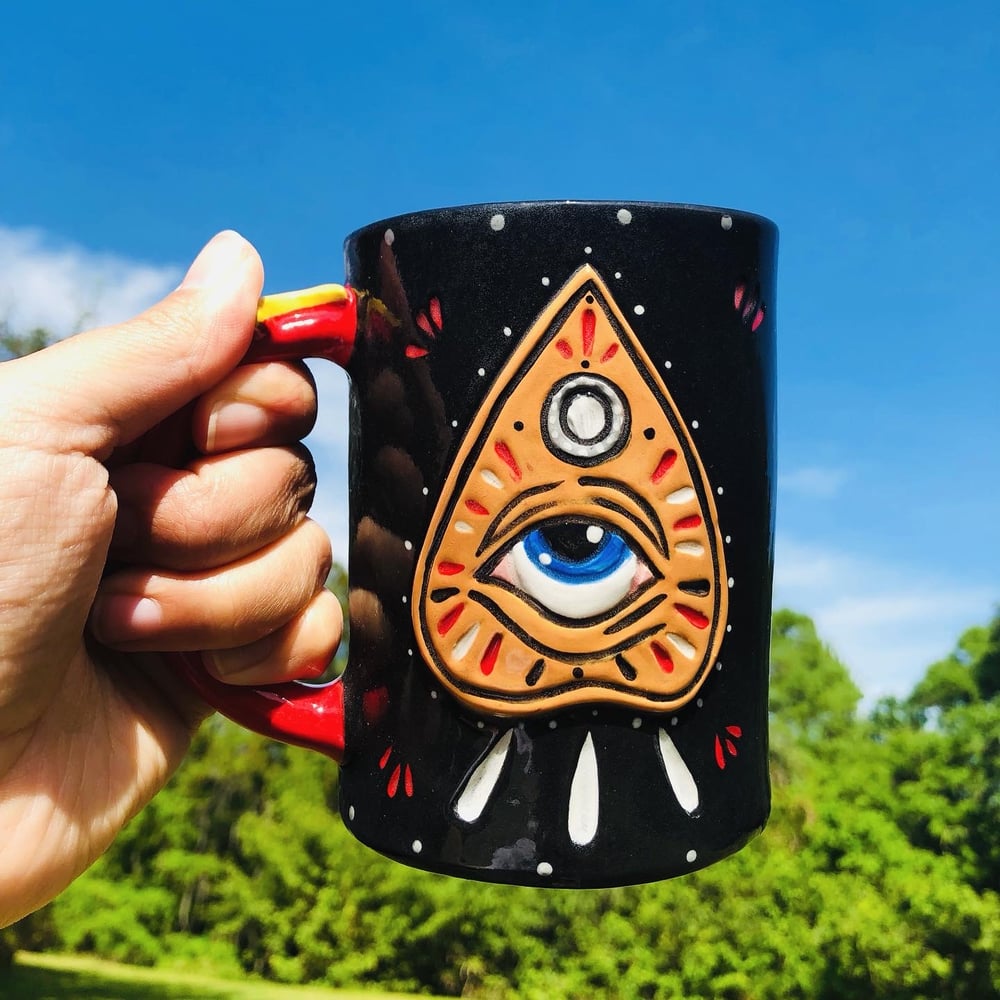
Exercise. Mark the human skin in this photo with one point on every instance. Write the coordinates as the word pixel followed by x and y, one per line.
pixel 153 498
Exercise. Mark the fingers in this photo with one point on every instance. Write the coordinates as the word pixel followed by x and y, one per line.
pixel 105 388
pixel 218 510
pixel 257 404
pixel 300 650
pixel 235 605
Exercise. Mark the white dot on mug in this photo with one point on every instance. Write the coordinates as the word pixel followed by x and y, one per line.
pixel 731 581
pixel 417 847
pixel 507 331
pixel 482 372
pixel 404 598
pixel 636 723
pixel 673 721
pixel 694 424
pixel 350 813
pixel 497 222
pixel 408 545
pixel 718 665
pixel 618 274
pixel 727 222
pixel 480 724
pixel 624 216
pixel 699 702
pixel 729 628
pixel 639 310
pixel 434 695
pixel 719 491
pixel 553 724
pixel 389 237
pixel 692 856
pixel 544 868
pixel 594 712
pixel 545 281
pixel 668 364
pixel 588 249
pixel 425 491
pixel 729 538
pixel 454 423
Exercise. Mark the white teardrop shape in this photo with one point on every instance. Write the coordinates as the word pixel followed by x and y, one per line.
pixel 681 782
pixel 465 642
pixel 683 495
pixel 483 781
pixel 584 796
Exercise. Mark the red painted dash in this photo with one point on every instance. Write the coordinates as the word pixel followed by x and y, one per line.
pixel 385 757
pixel 507 457
pixel 720 758
pixel 758 319
pixel 734 731
pixel 450 568
pixel 691 521
pixel 562 346
pixel 738 296
pixel 435 308
pixel 696 618
pixel 476 507
pixel 589 324
pixel 489 660
pixel 666 463
pixel 408 782
pixel 445 625
pixel 393 782
pixel 424 323
pixel 415 351
pixel 731 747
pixel 609 353
pixel 663 658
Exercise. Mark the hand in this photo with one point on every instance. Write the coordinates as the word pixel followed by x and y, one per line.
pixel 152 498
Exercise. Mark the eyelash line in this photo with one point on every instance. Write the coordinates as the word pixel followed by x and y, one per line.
pixel 653 529
pixel 493 532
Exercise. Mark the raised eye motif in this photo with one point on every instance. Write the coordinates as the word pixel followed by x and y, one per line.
pixel 575 569
pixel 574 554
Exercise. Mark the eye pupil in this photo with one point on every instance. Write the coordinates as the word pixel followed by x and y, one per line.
pixel 573 542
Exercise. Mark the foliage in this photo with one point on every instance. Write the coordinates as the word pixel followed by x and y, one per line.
pixel 17 345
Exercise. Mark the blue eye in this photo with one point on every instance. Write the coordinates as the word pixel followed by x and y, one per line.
pixel 575 569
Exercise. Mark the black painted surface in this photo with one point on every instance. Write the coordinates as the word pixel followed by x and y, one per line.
pixel 683 267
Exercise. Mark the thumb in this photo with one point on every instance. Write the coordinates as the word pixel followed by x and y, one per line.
pixel 106 387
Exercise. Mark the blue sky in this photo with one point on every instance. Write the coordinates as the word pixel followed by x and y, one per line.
pixel 869 132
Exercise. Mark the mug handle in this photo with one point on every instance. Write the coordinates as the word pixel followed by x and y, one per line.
pixel 320 322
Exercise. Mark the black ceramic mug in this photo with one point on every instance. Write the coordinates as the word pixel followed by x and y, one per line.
pixel 561 492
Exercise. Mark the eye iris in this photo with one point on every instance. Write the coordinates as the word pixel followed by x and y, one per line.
pixel 576 552
pixel 573 568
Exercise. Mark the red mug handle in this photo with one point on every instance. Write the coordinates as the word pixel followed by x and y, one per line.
pixel 319 322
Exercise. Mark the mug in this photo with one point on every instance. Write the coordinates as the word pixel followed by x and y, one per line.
pixel 562 514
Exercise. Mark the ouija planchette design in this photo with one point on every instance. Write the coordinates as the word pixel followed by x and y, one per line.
pixel 574 555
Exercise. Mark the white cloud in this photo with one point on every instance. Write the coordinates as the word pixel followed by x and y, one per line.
pixel 886 623
pixel 63 287
pixel 817 481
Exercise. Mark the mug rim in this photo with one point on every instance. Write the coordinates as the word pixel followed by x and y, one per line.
pixel 427 214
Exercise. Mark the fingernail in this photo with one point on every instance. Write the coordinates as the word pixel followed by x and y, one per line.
pixel 232 424
pixel 220 257
pixel 123 617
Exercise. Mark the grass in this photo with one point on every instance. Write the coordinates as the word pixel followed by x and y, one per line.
pixel 66 977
